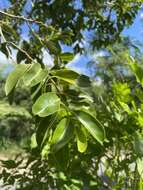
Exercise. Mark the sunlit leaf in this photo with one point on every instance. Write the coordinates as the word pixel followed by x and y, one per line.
pixel 81 139
pixel 14 77
pixel 33 141
pixel 67 56
pixel 67 75
pixel 92 126
pixel 62 134
pixel 47 104
pixel 34 75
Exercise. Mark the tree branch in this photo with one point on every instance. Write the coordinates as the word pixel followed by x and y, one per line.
pixel 23 51
pixel 23 18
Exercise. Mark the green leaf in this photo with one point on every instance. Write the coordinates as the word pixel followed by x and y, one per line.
pixel 81 139
pixel 39 77
pixel 53 47
pixel 84 81
pixel 33 141
pixel 138 71
pixel 43 127
pixel 92 126
pixel 14 77
pixel 47 104
pixel 67 57
pixel 34 75
pixel 122 92
pixel 62 157
pixel 4 49
pixel 66 75
pixel 140 166
pixel 11 96
pixel 138 144
pixel 45 151
pixel 62 134
pixel 125 107
pixel 6 27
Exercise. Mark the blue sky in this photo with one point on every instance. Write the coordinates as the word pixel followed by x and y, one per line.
pixel 135 31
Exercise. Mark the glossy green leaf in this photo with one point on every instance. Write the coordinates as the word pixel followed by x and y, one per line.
pixel 81 139
pixel 67 75
pixel 39 77
pixel 47 104
pixel 92 126
pixel 67 56
pixel 14 77
pixel 34 75
pixel 62 135
pixel 33 141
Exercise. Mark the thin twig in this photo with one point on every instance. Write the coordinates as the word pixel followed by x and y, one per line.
pixel 23 51
pixel 23 18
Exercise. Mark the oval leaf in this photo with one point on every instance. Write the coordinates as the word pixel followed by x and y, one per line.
pixel 67 75
pixel 81 139
pixel 91 125
pixel 34 75
pixel 62 135
pixel 67 56
pixel 14 77
pixel 46 104
pixel 39 77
